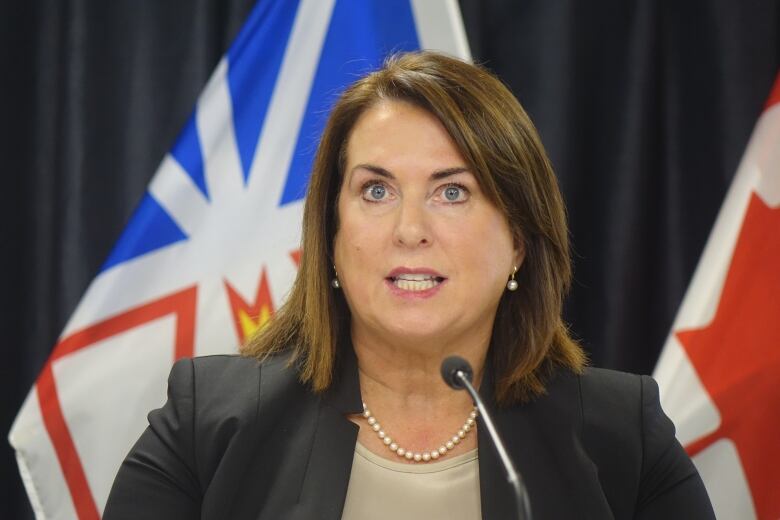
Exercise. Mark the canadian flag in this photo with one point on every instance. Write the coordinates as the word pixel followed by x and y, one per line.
pixel 719 372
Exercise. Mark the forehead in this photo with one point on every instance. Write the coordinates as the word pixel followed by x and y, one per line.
pixel 397 132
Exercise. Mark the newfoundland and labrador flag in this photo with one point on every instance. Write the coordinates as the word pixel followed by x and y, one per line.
pixel 213 246
pixel 719 372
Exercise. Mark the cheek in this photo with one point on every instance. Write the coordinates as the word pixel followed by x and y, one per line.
pixel 353 248
pixel 353 245
pixel 359 234
pixel 346 242
pixel 485 250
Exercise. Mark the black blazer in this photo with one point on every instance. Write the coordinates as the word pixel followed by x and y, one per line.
pixel 242 440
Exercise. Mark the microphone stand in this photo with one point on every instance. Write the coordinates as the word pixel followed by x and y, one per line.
pixel 514 479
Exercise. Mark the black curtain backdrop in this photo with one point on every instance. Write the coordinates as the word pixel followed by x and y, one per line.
pixel 645 108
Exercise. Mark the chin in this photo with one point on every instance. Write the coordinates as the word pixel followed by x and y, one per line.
pixel 418 329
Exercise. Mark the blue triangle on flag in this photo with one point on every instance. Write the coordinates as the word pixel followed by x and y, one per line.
pixel 254 61
pixel 360 35
pixel 188 154
pixel 150 228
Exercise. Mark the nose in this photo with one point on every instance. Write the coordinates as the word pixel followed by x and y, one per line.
pixel 412 228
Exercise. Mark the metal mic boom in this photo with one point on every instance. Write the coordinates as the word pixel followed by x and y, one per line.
pixel 457 373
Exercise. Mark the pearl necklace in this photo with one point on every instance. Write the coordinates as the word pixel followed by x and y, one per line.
pixel 426 456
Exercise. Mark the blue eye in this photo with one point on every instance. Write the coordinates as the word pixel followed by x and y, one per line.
pixel 455 193
pixel 375 192
pixel 452 193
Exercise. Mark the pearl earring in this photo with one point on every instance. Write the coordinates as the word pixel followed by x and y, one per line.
pixel 512 283
pixel 335 281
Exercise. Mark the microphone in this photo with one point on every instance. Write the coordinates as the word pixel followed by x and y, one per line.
pixel 458 374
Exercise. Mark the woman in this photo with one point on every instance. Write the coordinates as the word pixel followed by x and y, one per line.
pixel 433 226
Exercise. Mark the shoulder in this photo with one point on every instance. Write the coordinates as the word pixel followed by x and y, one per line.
pixel 230 371
pixel 214 401
pixel 229 385
pixel 623 408
pixel 223 368
pixel 611 405
pixel 605 407
pixel 600 396
pixel 607 395
pixel 199 441
pixel 617 387
pixel 218 396
pixel 633 443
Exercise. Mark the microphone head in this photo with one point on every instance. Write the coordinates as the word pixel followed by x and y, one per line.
pixel 450 368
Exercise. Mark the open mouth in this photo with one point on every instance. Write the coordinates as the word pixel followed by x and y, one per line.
pixel 416 282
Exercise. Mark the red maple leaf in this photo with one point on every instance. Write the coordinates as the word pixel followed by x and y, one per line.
pixel 737 356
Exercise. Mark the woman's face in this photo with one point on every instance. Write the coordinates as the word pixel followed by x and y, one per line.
pixel 420 252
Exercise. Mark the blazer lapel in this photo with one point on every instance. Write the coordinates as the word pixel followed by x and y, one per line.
pixel 330 464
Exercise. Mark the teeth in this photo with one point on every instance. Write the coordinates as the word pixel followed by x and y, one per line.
pixel 415 277
pixel 413 285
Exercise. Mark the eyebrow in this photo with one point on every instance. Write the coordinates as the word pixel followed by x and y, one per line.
pixel 438 174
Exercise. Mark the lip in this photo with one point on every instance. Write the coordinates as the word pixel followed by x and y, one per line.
pixel 414 295
pixel 414 270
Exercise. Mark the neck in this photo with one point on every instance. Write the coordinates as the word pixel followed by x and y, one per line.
pixel 402 386
pixel 405 374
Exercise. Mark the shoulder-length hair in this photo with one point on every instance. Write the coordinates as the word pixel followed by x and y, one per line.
pixel 501 146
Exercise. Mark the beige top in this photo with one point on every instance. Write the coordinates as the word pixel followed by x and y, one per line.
pixel 381 489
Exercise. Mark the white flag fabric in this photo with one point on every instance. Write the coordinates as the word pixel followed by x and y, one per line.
pixel 212 248
pixel 719 372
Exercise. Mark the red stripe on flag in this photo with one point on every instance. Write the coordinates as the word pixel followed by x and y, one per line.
pixel 181 304
pixel 774 96
pixel 58 431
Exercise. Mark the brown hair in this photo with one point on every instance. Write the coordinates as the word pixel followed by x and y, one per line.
pixel 502 148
